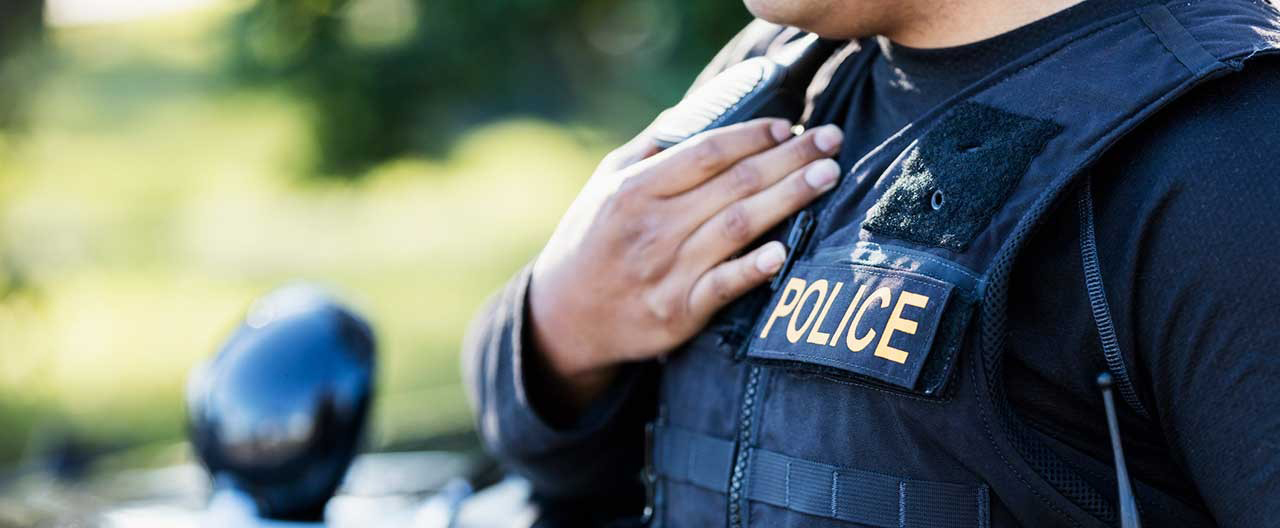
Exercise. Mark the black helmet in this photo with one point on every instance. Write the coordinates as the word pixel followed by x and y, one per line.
pixel 278 412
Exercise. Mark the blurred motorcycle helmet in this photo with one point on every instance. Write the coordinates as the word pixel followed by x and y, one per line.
pixel 279 411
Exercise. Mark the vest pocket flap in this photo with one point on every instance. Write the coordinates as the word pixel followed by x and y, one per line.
pixel 877 312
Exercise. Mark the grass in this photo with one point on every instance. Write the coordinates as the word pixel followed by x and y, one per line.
pixel 151 201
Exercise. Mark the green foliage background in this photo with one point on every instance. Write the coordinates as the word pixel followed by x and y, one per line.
pixel 159 174
pixel 390 77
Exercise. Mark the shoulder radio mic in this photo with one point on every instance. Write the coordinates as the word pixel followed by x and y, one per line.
pixel 767 86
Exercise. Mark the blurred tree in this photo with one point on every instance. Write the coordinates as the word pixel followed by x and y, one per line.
pixel 387 77
pixel 21 34
pixel 21 30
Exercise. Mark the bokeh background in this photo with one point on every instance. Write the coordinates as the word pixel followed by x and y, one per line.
pixel 164 162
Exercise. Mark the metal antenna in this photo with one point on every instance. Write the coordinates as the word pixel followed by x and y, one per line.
pixel 1128 505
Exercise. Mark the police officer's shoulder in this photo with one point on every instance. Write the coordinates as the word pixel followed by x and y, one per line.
pixel 1215 142
pixel 1190 191
pixel 754 40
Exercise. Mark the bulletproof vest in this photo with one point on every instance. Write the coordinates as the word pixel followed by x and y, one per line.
pixel 865 388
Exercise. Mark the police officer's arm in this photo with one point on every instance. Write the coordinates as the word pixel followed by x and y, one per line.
pixel 1205 300
pixel 640 262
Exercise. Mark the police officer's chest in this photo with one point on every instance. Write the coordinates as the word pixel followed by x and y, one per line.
pixel 865 389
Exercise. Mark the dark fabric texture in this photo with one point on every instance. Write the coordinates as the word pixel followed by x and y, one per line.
pixel 1186 223
pixel 959 175
pixel 863 497
pixel 588 471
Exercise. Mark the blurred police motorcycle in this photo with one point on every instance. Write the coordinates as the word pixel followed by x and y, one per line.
pixel 276 419
pixel 278 414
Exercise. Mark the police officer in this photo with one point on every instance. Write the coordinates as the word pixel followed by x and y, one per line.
pixel 992 202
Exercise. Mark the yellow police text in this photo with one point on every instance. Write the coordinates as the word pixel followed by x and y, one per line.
pixel 812 325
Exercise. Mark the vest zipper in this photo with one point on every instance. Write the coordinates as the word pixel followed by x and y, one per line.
pixel 1098 303
pixel 797 237
pixel 801 228
pixel 737 501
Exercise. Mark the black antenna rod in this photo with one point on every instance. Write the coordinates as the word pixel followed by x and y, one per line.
pixel 1128 505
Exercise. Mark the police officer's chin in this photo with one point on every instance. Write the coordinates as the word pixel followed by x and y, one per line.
pixel 837 19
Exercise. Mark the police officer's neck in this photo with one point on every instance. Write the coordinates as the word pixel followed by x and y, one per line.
pixel 946 23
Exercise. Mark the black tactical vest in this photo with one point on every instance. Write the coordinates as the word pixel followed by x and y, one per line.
pixel 866 388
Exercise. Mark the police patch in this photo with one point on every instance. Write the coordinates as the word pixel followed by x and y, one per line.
pixel 870 321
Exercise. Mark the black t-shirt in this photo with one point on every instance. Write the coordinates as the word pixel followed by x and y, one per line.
pixel 1187 227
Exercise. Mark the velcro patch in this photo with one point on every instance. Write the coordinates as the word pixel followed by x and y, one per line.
pixel 959 176
pixel 870 321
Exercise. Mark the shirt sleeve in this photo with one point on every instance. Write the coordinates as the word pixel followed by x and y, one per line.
pixel 1205 303
pixel 597 456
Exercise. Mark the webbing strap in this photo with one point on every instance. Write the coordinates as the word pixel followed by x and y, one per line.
pixel 820 489
pixel 1177 39
pixel 698 459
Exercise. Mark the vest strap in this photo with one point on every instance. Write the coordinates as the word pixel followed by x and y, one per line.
pixel 685 456
pixel 819 489
pixel 1177 39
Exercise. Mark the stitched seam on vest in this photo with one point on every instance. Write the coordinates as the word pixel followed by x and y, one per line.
pixel 902 504
pixel 786 483
pixel 916 253
pixel 860 369
pixel 984 507
pixel 986 427
pixel 1039 426
pixel 835 492
pixel 1175 38
pixel 869 386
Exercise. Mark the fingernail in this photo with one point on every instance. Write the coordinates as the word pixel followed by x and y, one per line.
pixel 822 175
pixel 827 138
pixel 770 259
pixel 781 131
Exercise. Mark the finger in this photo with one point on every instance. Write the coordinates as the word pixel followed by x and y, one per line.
pixel 692 162
pixel 729 280
pixel 735 226
pixel 758 172
pixel 639 148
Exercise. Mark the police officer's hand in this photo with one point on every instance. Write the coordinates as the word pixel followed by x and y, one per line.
pixel 646 253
